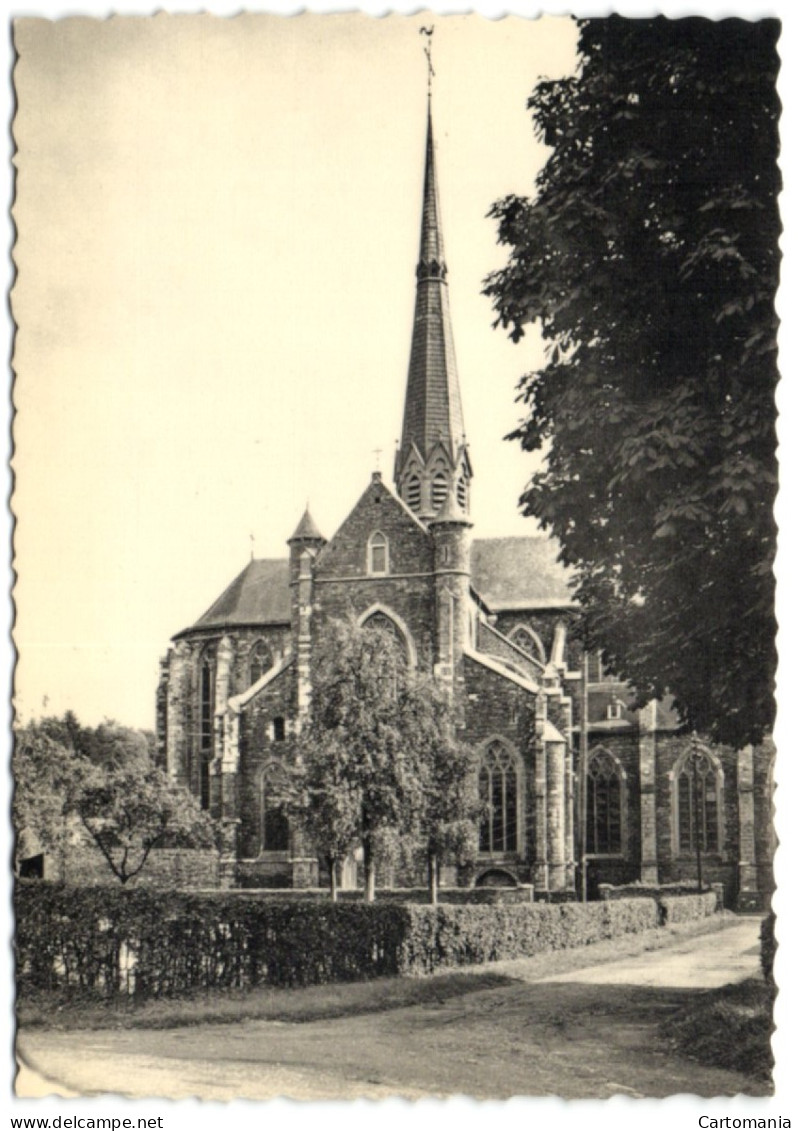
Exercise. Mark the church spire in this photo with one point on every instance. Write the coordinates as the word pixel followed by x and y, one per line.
pixel 432 458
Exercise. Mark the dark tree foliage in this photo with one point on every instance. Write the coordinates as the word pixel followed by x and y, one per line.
pixel 649 260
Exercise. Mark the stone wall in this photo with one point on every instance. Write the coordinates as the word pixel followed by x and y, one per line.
pixel 496 707
pixel 258 748
pixel 343 588
pixel 720 867
pixel 543 622
pixel 178 699
pixel 176 868
pixel 493 643
pixel 623 868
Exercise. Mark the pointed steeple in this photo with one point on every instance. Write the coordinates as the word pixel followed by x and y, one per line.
pixel 432 458
pixel 432 254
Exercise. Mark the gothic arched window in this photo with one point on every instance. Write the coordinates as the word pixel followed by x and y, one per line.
pixel 412 493
pixel 697 802
pixel 498 795
pixel 378 553
pixel 380 622
pixel 275 826
pixel 207 680
pixel 462 492
pixel 528 641
pixel 260 661
pixel 605 804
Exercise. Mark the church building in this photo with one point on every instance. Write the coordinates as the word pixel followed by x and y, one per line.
pixel 494 620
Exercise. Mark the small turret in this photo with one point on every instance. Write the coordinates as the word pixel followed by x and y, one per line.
pixel 307 530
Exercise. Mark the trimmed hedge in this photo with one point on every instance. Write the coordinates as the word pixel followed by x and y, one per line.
pixel 683 908
pixel 682 888
pixel 150 943
pixel 104 942
pixel 458 936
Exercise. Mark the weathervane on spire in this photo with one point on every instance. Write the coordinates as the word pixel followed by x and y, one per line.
pixel 427 49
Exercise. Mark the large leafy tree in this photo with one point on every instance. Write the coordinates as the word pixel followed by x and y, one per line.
pixel 380 768
pixel 649 261
pixel 105 778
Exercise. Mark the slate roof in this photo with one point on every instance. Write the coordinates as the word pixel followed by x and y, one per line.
pixel 508 573
pixel 307 529
pixel 259 595
pixel 519 573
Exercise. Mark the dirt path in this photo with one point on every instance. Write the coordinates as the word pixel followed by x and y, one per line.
pixel 590 1033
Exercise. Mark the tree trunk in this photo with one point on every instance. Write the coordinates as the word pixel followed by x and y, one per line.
pixel 434 877
pixel 333 879
pixel 370 872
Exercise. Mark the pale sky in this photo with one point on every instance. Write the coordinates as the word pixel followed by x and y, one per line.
pixel 199 294
pixel 218 226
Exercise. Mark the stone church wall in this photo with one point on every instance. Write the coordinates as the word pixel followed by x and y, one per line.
pixel 542 622
pixel 494 643
pixel 716 867
pixel 410 546
pixel 624 868
pixel 278 640
pixel 497 708
pixel 411 599
pixel 259 747
pixel 343 588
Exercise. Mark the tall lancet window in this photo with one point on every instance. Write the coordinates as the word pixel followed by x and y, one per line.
pixel 604 805
pixel 498 796
pixel 275 826
pixel 378 553
pixel 462 493
pixel 207 678
pixel 697 803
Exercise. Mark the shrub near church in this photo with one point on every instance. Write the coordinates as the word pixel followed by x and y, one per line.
pixel 109 941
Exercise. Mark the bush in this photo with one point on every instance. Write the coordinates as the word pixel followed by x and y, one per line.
pixel 103 942
pixel 147 943
pixel 768 947
pixel 683 908
pixel 458 936
pixel 729 1028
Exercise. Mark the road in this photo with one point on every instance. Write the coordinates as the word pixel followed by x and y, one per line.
pixel 589 1033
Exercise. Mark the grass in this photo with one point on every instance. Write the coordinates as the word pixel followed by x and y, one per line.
pixel 316 1003
pixel 729 1027
pixel 263 1003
